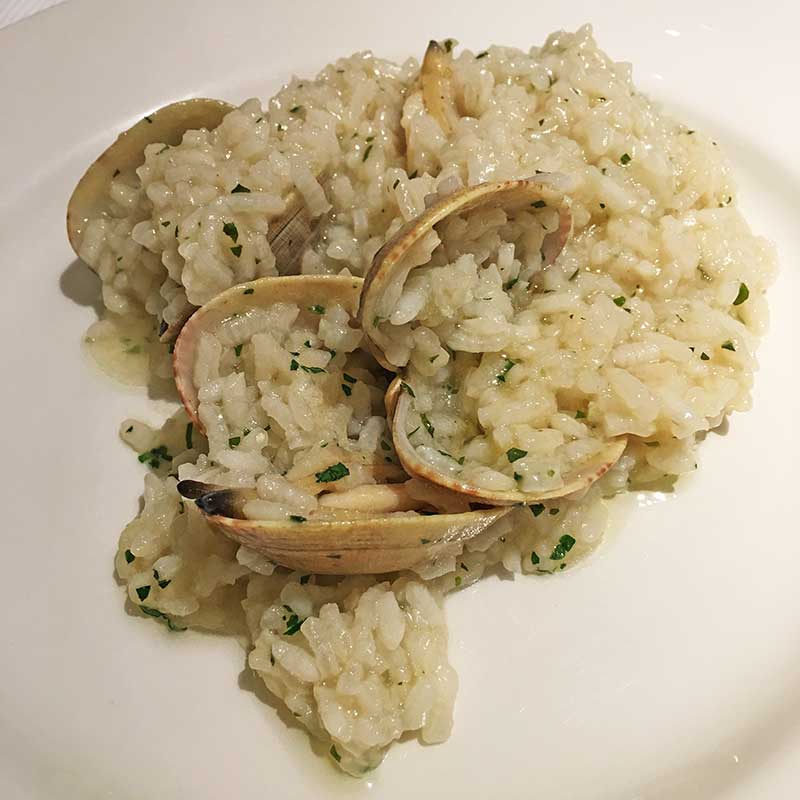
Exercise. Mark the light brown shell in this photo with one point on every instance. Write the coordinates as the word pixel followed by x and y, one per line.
pixel 300 289
pixel 419 468
pixel 168 124
pixel 345 542
pixel 510 195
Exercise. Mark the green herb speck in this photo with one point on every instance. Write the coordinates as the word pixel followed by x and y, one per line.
pixel 229 229
pixel 129 556
pixel 514 454
pixel 728 346
pixel 624 159
pixel 537 509
pixel 238 189
pixel 142 592
pixel 563 547
pixel 743 294
pixel 189 434
pixel 234 441
pixel 333 473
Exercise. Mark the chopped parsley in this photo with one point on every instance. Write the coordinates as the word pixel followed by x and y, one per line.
pixel 457 580
pixel 189 433
pixel 574 275
pixel 553 511
pixel 129 556
pixel 728 346
pixel 349 378
pixel 304 579
pixel 238 350
pixel 155 456
pixel 238 189
pixel 333 473
pixel 407 389
pixel 149 119
pixel 154 612
pixel 539 204
pixel 142 592
pixel 162 582
pixel 293 365
pixel 234 441
pixel 237 251
pixel 514 454
pixel 624 159
pixel 412 175
pixel 367 152
pixel 602 205
pixel 510 284
pixel 425 541
pixel 619 301
pixel 317 309
pixel 565 544
pixel 385 445
pixel 166 223
pixel 229 229
pixel 129 429
pixel 293 624
pixel 704 356
pixel 506 368
pixel 580 414
pixel 448 45
pixel 743 294
pixel 295 109
pixel 537 509
pixel 296 518
pixel 249 290
pixel 396 184
pixel 313 370
pixel 335 753
pixel 427 423
pixel 348 390
pixel 482 54
pixel 534 558
pixel 411 433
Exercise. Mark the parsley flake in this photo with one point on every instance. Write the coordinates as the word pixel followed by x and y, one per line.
pixel 565 544
pixel 743 294
pixel 333 473
pixel 514 454
pixel 229 229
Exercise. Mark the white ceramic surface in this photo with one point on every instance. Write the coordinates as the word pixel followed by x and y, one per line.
pixel 665 667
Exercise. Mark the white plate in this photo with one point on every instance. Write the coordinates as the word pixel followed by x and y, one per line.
pixel 665 667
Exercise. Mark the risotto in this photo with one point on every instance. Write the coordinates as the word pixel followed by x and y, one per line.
pixel 624 304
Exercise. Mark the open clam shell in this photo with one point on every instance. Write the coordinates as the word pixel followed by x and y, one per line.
pixel 299 289
pixel 389 265
pixel 391 269
pixel 581 478
pixel 344 541
pixel 90 197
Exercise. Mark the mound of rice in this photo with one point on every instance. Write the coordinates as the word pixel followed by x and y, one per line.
pixel 646 324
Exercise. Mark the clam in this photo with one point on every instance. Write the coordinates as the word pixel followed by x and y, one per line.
pixel 438 91
pixel 168 125
pixel 577 480
pixel 90 197
pixel 342 541
pixel 297 289
pixel 382 288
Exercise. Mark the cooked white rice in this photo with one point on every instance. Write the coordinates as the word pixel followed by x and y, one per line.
pixel 655 223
